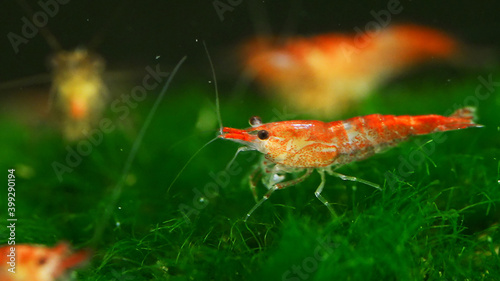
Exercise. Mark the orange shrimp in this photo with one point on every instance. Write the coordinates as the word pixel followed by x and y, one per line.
pixel 326 74
pixel 38 263
pixel 305 145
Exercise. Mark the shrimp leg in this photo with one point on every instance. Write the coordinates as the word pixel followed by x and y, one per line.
pixel 253 180
pixel 276 187
pixel 257 174
pixel 354 179
pixel 320 189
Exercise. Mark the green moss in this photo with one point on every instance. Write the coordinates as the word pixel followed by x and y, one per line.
pixel 437 222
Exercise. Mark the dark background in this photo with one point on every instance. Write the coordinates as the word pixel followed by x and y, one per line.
pixel 135 32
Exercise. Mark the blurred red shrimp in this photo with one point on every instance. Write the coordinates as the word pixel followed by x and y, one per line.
pixel 325 75
pixel 37 262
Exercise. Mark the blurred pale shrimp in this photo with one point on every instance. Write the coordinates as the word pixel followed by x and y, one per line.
pixel 78 94
pixel 79 91
pixel 326 74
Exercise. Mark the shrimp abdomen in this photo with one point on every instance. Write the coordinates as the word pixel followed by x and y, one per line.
pixel 370 134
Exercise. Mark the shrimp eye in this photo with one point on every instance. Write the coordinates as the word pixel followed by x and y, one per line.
pixel 263 134
pixel 255 121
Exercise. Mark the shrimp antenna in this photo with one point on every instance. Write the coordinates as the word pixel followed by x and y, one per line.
pixel 217 105
pixel 49 37
pixel 189 161
pixel 131 156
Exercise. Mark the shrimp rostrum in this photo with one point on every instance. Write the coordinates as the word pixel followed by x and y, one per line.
pixel 307 145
